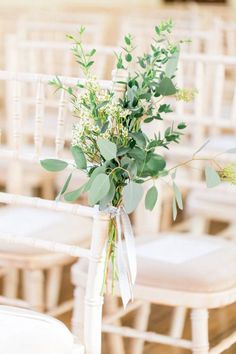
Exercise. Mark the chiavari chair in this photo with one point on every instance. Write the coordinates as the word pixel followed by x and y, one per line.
pixel 187 275
pixel 31 222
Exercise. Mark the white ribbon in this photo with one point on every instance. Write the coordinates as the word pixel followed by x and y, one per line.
pixel 126 255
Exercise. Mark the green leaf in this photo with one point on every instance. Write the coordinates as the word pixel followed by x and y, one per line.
pixel 74 195
pixel 79 157
pixel 99 188
pixel 64 188
pixel 53 165
pixel 125 161
pixel 109 197
pixel 178 196
pixel 132 168
pixel 154 165
pixel 107 149
pixel 166 108
pixel 98 170
pixel 172 63
pixel 132 195
pixel 151 198
pixel 137 153
pixel 139 139
pixel 166 87
pixel 181 125
pixel 127 40
pixel 212 177
pixel 93 51
pixel 128 57
pixel 174 209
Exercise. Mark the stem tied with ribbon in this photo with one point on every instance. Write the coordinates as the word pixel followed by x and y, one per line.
pixel 121 254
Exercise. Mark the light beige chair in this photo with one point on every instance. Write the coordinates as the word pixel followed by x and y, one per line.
pixel 29 332
pixel 180 270
pixel 225 37
pixel 40 292
pixel 57 30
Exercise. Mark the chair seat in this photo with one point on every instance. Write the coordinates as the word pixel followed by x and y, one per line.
pixel 218 203
pixel 187 263
pixel 43 224
pixel 183 262
pixel 28 332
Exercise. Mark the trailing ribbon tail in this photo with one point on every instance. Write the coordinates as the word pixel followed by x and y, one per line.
pixel 126 256
pixel 130 245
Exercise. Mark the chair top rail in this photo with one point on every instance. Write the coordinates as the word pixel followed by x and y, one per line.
pixel 205 58
pixel 62 45
pixel 59 25
pixel 35 202
pixel 44 78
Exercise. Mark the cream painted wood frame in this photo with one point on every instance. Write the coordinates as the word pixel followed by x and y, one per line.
pixel 199 302
pixel 12 153
pixel 93 299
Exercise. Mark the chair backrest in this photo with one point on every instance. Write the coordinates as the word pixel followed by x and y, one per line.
pixel 54 57
pixel 213 109
pixel 225 37
pixel 56 31
pixel 197 41
pixel 15 152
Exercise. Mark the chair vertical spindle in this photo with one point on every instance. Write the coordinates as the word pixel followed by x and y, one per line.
pixel 39 117
pixel 218 93
pixel 233 109
pixel 199 104
pixel 180 80
pixel 17 118
pixel 60 132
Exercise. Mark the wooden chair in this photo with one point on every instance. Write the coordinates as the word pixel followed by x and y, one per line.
pixel 56 31
pixel 143 33
pixel 26 55
pixel 211 115
pixel 225 37
pixel 23 55
pixel 66 229
pixel 25 331
pixel 187 275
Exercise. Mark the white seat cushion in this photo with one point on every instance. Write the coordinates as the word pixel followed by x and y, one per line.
pixel 28 332
pixel 181 262
pixel 188 263
pixel 43 224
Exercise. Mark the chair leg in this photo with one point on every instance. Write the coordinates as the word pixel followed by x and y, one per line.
pixel 115 342
pixel 200 343
pixel 178 321
pixel 34 289
pixel 78 313
pixel 140 323
pixel 11 283
pixel 53 286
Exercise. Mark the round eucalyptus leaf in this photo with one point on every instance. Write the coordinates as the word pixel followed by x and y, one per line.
pixel 132 195
pixel 99 188
pixel 151 198
pixel 53 165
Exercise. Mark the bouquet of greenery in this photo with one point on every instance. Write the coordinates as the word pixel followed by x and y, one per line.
pixel 110 147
